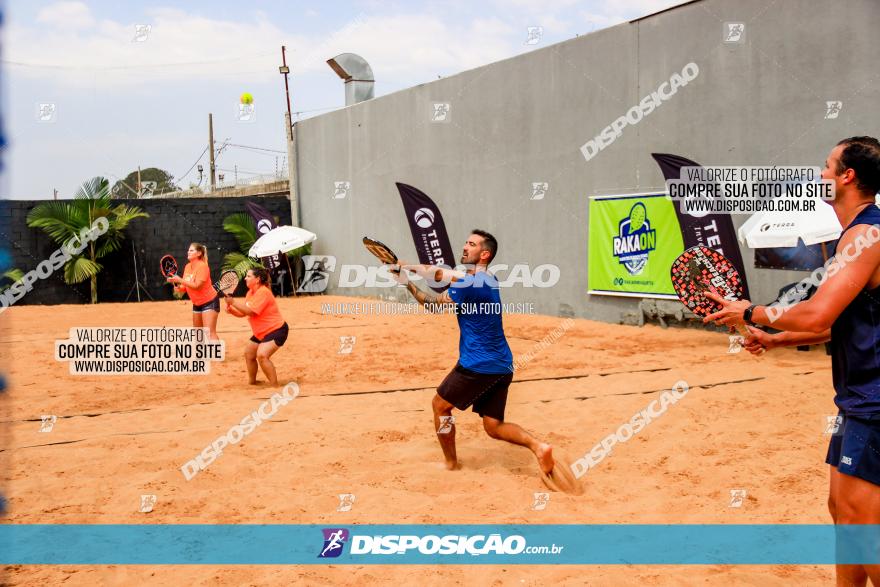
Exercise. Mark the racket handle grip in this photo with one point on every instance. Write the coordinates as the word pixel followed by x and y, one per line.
pixel 745 332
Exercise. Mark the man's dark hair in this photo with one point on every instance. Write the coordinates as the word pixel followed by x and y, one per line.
pixel 862 155
pixel 489 242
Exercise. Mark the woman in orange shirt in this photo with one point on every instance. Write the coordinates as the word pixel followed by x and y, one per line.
pixel 270 329
pixel 196 282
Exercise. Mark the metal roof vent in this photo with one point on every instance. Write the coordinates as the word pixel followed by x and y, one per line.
pixel 357 74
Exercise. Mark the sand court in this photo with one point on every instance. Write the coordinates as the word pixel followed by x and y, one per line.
pixel 362 425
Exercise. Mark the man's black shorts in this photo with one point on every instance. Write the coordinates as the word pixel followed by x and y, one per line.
pixel 488 393
pixel 279 335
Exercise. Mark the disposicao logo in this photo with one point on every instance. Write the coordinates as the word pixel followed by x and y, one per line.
pixel 409 544
pixel 334 540
pixel 635 240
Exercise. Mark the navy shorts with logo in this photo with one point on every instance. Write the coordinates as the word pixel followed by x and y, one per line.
pixel 212 306
pixel 486 392
pixel 855 449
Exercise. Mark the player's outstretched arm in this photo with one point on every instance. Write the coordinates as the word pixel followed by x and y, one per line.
pixel 435 303
pixel 758 340
pixel 857 259
pixel 438 274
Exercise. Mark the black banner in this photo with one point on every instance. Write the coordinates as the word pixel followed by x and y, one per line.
pixel 714 231
pixel 427 227
pixel 800 258
pixel 265 222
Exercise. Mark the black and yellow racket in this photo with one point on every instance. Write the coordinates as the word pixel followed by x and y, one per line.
pixel 380 251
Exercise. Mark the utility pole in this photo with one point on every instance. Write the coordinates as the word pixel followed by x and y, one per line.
pixel 211 151
pixel 285 70
pixel 55 194
pixel 290 133
pixel 139 183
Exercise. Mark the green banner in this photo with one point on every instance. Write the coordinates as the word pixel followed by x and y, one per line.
pixel 633 241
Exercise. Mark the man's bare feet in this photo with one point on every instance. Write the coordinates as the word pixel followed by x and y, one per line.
pixel 544 453
pixel 452 465
pixel 254 382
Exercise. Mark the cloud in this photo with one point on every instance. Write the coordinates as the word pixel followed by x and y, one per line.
pixel 179 46
pixel 188 47
pixel 67 15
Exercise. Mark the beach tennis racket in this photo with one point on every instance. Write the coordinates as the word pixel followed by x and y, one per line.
pixel 700 269
pixel 168 266
pixel 227 283
pixel 381 251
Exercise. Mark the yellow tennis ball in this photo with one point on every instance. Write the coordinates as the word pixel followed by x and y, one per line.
pixel 247 98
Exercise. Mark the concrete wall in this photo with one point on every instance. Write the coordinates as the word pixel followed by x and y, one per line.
pixel 524 120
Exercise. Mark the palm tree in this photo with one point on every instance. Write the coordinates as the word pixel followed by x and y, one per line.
pixel 242 227
pixel 63 221
pixel 13 275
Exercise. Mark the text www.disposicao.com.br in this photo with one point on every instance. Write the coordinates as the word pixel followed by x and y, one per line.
pixel 749 206
pixel 170 367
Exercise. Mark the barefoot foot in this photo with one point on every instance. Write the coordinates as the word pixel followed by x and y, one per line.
pixel 544 453
pixel 452 466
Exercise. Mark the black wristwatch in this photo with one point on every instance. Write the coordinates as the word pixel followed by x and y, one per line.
pixel 747 315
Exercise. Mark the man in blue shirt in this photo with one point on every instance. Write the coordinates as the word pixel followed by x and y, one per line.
pixel 845 310
pixel 485 365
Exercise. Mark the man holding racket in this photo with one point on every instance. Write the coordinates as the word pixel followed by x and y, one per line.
pixel 845 310
pixel 196 282
pixel 269 328
pixel 485 366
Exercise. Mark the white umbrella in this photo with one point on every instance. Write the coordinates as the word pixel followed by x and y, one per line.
pixel 783 229
pixel 281 240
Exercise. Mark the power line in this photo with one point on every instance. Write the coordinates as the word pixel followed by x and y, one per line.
pixel 142 66
pixel 180 178
pixel 317 109
pixel 246 172
pixel 257 148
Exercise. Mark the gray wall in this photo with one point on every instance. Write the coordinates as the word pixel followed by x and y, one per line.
pixel 524 119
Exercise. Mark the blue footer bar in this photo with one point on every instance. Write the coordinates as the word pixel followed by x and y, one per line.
pixel 284 544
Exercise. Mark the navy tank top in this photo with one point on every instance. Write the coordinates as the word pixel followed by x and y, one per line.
pixel 855 345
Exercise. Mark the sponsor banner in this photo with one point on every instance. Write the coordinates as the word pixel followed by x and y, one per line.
pixel 709 229
pixel 264 223
pixel 273 544
pixel 427 227
pixel 634 240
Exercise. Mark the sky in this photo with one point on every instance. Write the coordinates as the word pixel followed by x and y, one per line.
pixel 132 83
